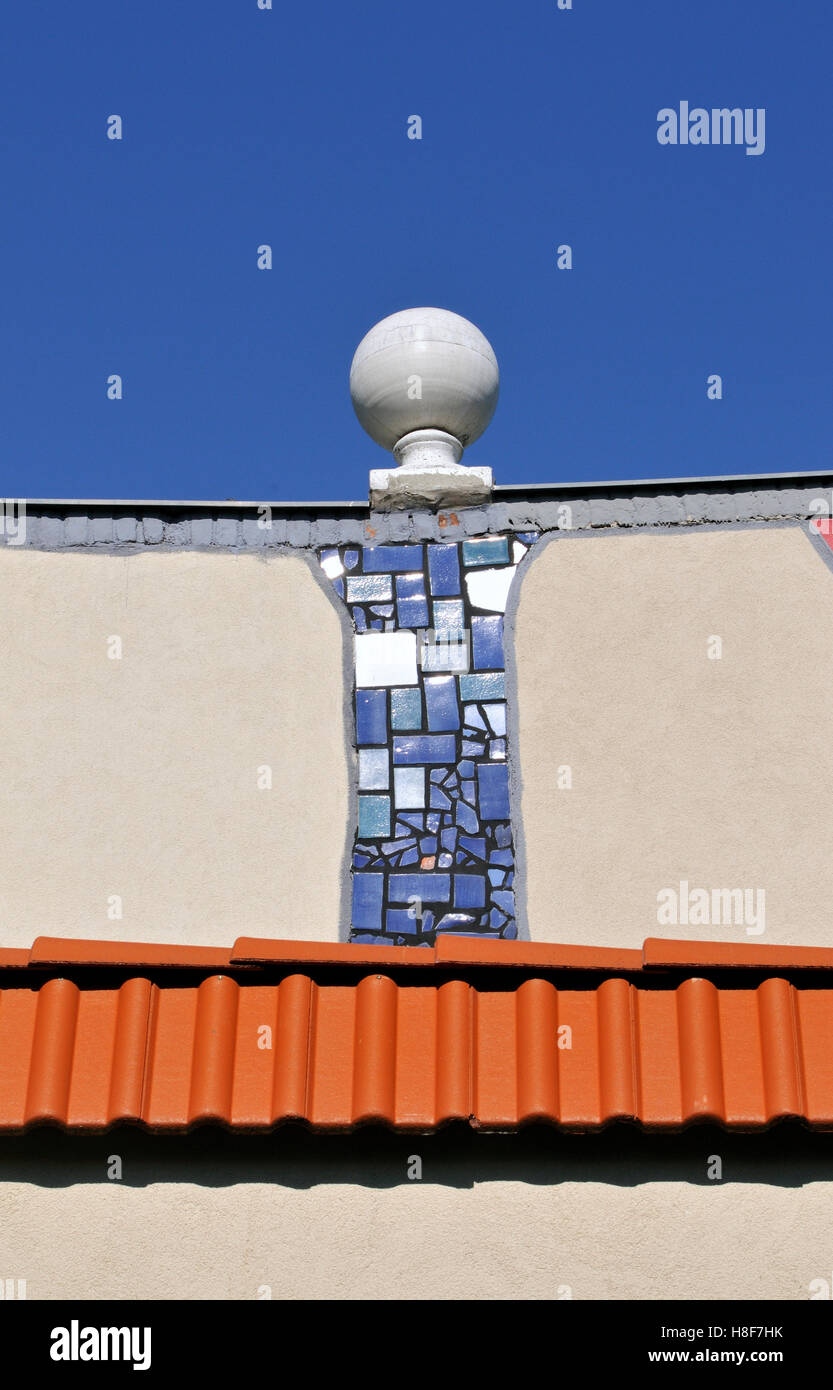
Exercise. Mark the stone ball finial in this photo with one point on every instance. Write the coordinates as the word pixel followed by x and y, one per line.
pixel 427 373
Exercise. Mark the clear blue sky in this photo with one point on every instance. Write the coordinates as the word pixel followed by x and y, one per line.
pixel 245 126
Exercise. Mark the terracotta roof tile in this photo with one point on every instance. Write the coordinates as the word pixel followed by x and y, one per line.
pixel 659 953
pixel 444 1041
pixel 59 950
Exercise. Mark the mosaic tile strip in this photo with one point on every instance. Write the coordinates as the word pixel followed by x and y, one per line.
pixel 433 851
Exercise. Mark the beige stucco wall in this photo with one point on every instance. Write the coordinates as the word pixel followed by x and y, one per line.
pixel 138 776
pixel 493 1240
pixel 714 772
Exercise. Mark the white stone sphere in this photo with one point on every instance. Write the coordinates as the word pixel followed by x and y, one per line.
pixel 424 369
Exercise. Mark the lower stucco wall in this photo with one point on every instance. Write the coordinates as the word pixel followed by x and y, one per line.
pixel 622 1237
pixel 147 701
pixel 675 713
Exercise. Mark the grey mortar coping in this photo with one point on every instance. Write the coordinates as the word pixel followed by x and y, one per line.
pixel 127 526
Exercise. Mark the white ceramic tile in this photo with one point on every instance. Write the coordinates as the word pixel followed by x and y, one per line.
pixel 385 658
pixel 496 715
pixel 373 769
pixel 409 788
pixel 369 588
pixel 489 589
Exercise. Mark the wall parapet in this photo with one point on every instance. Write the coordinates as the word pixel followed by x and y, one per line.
pixel 262 526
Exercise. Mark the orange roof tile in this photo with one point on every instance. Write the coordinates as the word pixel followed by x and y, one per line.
pixel 660 953
pixel 288 1038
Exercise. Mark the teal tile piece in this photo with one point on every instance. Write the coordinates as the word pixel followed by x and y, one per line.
pixel 486 550
pixel 374 817
pixel 489 686
pixel 406 709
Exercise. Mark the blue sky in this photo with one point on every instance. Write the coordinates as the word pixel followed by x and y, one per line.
pixel 288 126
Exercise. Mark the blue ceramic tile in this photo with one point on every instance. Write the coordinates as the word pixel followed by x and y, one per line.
pixel 441 704
pixel 504 901
pixel 469 890
pixel 410 856
pixel 496 877
pixel 410 585
pixel 412 612
pixel 444 570
pixel 485 687
pixel 371 723
pixel 390 558
pixel 428 887
pixel 351 559
pixel 457 922
pixel 367 901
pixel 473 718
pixel 398 920
pixel 486 550
pixel 510 933
pixel 406 709
pixel 487 643
pixel 428 845
pixel 438 800
pixel 503 836
pixel 374 817
pixel 493 791
pixel 396 846
pixel 338 585
pixel 424 748
pixel 469 749
pixel 466 818
pixel 477 848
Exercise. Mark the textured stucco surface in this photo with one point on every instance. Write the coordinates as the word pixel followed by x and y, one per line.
pixel 493 1240
pixel 714 772
pixel 138 776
